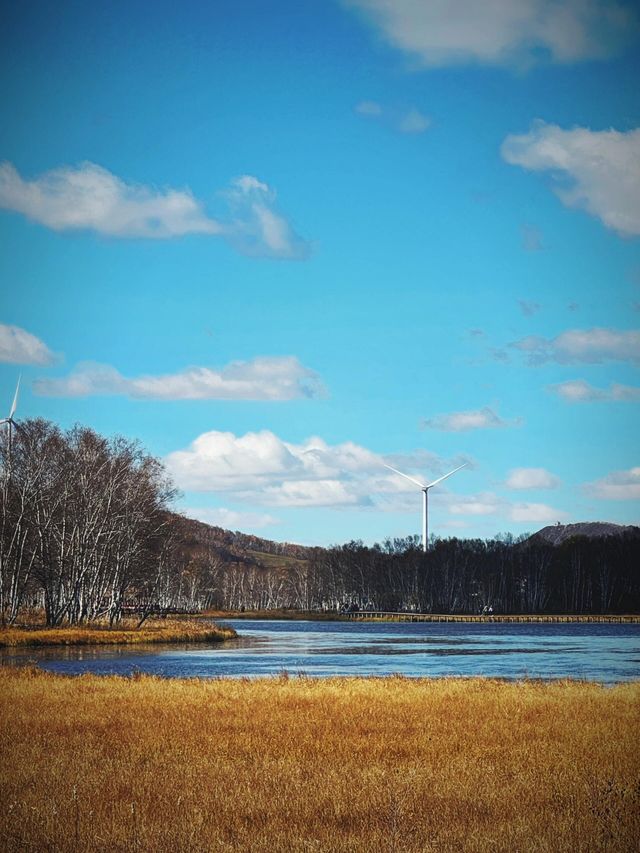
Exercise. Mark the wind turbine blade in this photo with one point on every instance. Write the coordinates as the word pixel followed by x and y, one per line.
pixel 406 476
pixel 440 479
pixel 14 405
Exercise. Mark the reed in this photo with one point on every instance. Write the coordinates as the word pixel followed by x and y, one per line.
pixel 297 764
pixel 153 631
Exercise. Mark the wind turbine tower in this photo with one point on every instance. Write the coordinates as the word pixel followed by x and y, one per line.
pixel 11 424
pixel 425 497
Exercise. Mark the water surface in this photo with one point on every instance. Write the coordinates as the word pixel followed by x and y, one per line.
pixel 607 653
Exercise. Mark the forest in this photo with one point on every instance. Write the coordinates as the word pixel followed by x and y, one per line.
pixel 87 530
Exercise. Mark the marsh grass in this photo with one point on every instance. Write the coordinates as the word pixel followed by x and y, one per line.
pixel 153 631
pixel 296 764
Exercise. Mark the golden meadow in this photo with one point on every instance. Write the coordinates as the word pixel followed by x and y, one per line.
pixel 146 764
pixel 126 633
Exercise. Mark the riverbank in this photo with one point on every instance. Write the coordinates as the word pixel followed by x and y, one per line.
pixel 276 613
pixel 126 633
pixel 409 616
pixel 334 765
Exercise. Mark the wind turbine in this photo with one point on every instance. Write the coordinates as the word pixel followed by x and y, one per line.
pixel 425 495
pixel 10 422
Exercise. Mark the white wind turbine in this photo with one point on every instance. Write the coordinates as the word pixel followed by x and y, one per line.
pixel 10 422
pixel 425 496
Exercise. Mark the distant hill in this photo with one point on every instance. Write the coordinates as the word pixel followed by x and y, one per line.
pixel 236 547
pixel 556 534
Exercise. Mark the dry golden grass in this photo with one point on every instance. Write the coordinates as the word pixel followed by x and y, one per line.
pixel 156 631
pixel 145 764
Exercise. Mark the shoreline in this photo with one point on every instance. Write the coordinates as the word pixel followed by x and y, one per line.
pixel 383 616
pixel 160 631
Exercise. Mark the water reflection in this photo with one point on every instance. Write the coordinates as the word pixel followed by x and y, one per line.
pixel 606 653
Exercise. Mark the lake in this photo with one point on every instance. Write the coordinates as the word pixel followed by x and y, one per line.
pixel 608 653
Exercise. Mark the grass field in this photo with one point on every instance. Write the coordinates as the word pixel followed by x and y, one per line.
pixel 153 631
pixel 144 764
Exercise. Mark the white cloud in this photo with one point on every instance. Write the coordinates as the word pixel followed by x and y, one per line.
pixel 414 122
pixel 263 378
pixel 490 504
pixel 500 32
pixel 580 391
pixel 484 418
pixel 541 513
pixel 369 108
pixel 596 171
pixel 617 486
pixel 411 121
pixel 17 346
pixel 230 519
pixel 482 504
pixel 261 468
pixel 531 478
pixel 256 228
pixel 89 197
pixel 582 346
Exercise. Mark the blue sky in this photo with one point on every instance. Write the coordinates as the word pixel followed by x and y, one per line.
pixel 283 244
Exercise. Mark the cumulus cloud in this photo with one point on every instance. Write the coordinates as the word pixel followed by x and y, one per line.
pixel 595 171
pixel 89 197
pixel 531 478
pixel 580 391
pixel 261 468
pixel 231 519
pixel 617 486
pixel 582 346
pixel 262 378
pixel 500 32
pixel 17 346
pixel 484 418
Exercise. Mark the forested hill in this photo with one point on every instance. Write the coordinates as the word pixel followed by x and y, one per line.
pixel 558 533
pixel 234 546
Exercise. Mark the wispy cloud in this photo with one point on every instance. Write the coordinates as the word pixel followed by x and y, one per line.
pixel 17 346
pixel 529 308
pixel 442 32
pixel 263 378
pixel 535 512
pixel 408 121
pixel 596 171
pixel 231 519
pixel 89 197
pixel 531 238
pixel 484 418
pixel 256 228
pixel 490 504
pixel 414 122
pixel 617 486
pixel 582 346
pixel 520 479
pixel 369 108
pixel 580 391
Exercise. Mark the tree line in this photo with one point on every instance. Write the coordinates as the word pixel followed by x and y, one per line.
pixel 86 529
